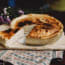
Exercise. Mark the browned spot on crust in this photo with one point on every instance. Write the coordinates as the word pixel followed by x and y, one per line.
pixel 20 24
pixel 47 26
pixel 16 30
pixel 8 33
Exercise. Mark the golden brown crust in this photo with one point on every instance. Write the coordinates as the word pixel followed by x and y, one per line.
pixel 42 31
pixel 47 26
pixel 7 34
pixel 50 28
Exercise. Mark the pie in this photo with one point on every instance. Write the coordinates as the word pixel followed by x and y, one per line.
pixel 41 29
pixel 33 29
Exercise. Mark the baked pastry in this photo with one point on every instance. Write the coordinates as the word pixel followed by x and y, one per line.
pixel 10 37
pixel 47 29
pixel 2 29
pixel 5 35
pixel 39 29
pixel 16 40
pixel 41 34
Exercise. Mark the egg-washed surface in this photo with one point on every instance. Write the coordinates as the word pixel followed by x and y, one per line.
pixel 47 26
